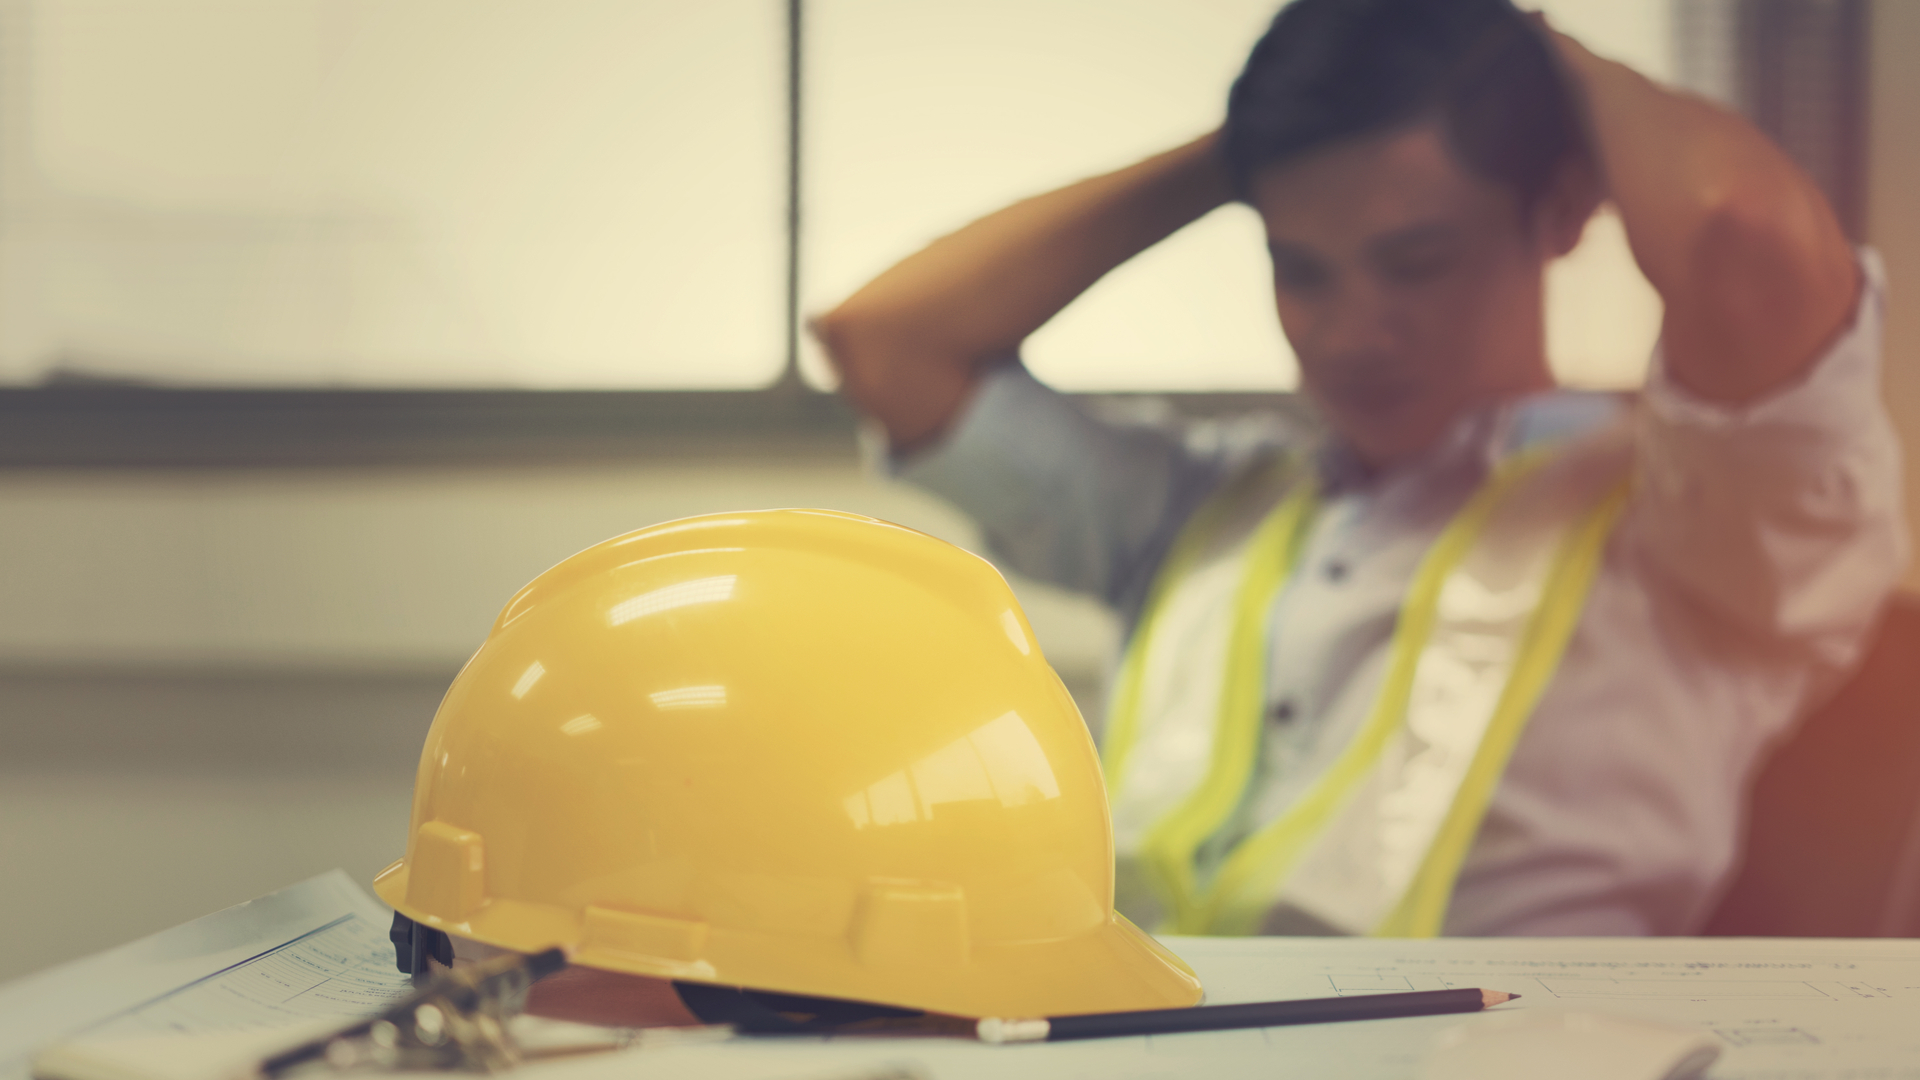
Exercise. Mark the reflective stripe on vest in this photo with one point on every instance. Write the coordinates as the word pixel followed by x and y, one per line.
pixel 1375 843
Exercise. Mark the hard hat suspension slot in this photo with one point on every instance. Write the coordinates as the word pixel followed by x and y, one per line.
pixel 767 1013
pixel 414 944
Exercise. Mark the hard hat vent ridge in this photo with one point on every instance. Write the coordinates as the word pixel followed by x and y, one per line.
pixel 644 936
pixel 905 924
pixel 450 877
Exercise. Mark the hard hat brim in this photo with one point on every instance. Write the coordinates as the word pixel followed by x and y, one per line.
pixel 1113 967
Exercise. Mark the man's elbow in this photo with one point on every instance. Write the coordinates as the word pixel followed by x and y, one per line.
pixel 1770 281
pixel 1770 258
pixel 865 357
pixel 844 338
pixel 891 374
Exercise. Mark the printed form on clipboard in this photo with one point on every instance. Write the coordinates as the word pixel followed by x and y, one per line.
pixel 312 954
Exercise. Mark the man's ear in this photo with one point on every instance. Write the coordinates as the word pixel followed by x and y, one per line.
pixel 1561 213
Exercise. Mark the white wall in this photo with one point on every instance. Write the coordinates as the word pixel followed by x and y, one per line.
pixel 1893 222
pixel 376 569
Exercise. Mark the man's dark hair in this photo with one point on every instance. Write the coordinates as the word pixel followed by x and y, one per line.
pixel 1331 70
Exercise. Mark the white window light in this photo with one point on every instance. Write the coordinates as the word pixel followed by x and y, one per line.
pixel 395 193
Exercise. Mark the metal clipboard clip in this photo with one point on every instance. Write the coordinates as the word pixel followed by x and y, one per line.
pixel 456 1020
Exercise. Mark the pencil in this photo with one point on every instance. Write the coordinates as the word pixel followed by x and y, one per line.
pixel 1255 1014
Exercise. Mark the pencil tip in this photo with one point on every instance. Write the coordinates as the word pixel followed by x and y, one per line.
pixel 1490 998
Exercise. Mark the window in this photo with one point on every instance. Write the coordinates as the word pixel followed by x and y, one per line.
pixel 395 193
pixel 593 194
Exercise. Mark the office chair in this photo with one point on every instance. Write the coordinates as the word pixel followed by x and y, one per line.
pixel 1833 843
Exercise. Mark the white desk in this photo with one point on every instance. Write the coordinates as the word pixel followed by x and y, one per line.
pixel 1804 1009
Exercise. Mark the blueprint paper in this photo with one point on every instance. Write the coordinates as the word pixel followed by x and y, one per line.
pixel 1827 1009
pixel 342 969
pixel 1787 1010
pixel 313 951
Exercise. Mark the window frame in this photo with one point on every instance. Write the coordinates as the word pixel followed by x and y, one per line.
pixel 95 425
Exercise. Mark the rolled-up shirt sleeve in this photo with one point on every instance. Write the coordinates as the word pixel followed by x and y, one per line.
pixel 1780 519
pixel 1061 495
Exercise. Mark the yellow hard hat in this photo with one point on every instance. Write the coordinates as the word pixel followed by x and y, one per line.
pixel 793 750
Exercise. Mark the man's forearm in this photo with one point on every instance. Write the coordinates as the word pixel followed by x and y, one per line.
pixel 1746 254
pixel 910 344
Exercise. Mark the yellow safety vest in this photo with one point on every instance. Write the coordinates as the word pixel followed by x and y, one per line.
pixel 1373 845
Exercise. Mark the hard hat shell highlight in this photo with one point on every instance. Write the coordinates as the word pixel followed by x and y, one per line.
pixel 793 750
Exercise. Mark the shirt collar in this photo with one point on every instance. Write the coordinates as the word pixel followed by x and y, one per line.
pixel 1476 441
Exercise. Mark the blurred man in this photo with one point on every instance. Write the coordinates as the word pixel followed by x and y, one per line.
pixel 1488 657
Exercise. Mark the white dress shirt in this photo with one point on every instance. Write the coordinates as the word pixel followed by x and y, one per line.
pixel 1737 588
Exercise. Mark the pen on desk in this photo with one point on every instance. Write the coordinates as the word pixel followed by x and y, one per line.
pixel 1255 1014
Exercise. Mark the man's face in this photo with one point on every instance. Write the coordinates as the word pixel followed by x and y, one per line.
pixel 1409 288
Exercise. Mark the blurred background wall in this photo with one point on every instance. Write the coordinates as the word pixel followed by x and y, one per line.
pixel 214 677
pixel 1893 221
